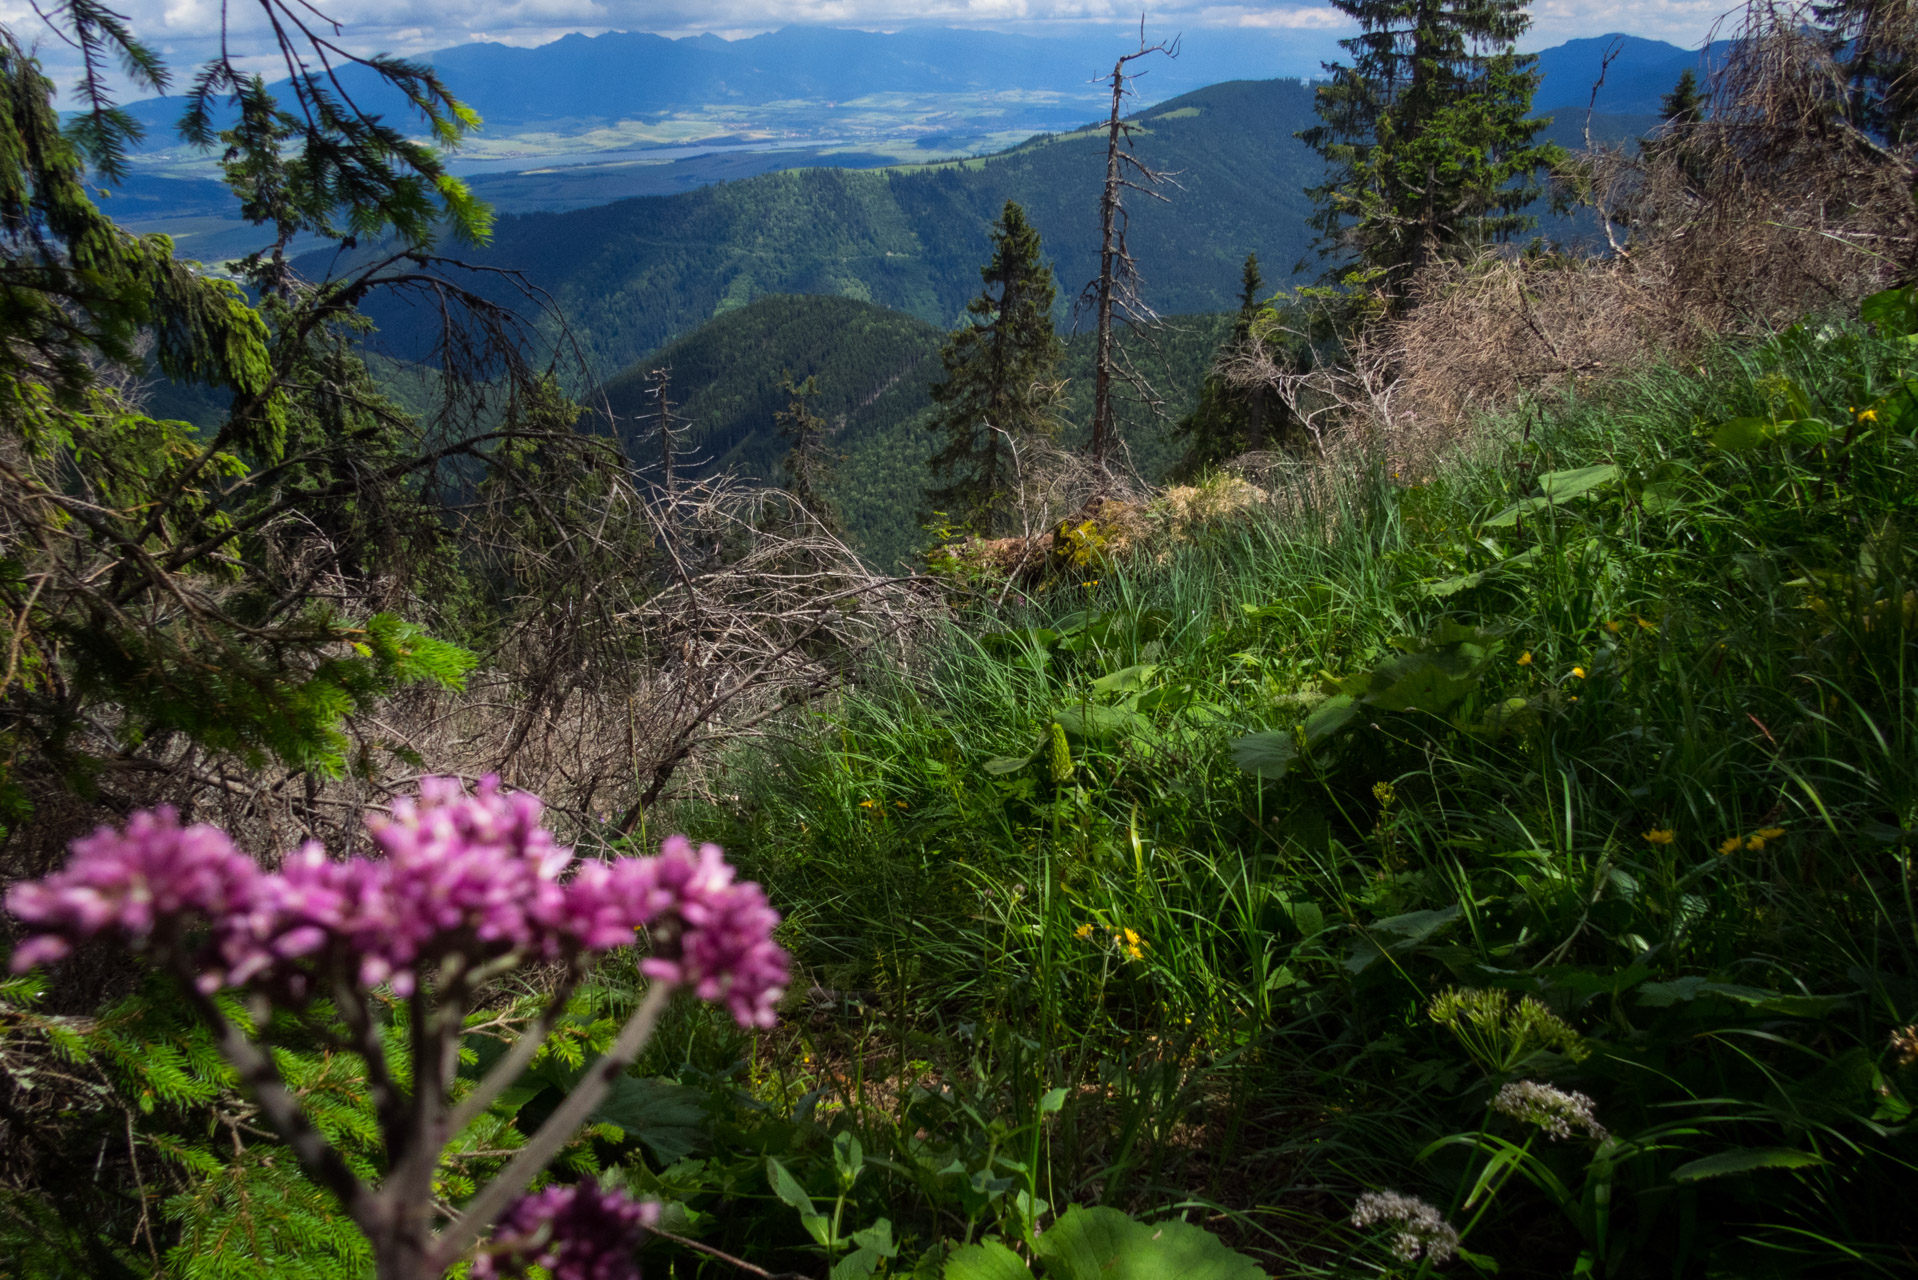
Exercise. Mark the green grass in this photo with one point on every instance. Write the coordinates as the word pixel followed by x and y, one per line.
pixel 1709 642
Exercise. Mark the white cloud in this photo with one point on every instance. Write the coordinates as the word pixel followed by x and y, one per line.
pixel 1275 18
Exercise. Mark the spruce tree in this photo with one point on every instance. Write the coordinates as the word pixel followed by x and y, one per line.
pixel 1427 135
pixel 808 466
pixel 1001 387
pixel 1685 104
pixel 1228 420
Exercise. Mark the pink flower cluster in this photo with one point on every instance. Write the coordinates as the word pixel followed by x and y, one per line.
pixel 473 876
pixel 576 1233
pixel 136 882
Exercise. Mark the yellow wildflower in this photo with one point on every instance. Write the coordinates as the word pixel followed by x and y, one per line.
pixel 1525 659
pixel 1612 626
pixel 1732 845
pixel 899 804
pixel 867 804
pixel 1578 673
pixel 1383 793
pixel 1660 835
pixel 1869 415
pixel 1083 932
pixel 1755 843
pixel 1770 833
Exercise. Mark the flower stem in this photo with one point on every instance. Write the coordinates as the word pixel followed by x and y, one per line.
pixel 554 1134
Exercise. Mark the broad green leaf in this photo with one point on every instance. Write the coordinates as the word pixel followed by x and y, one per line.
pixel 1271 754
pixel 1416 926
pixel 1126 679
pixel 1030 1209
pixel 1171 697
pixel 1744 1160
pixel 1804 431
pixel 1738 434
pixel 1468 641
pixel 1661 497
pixel 1662 995
pixel 1555 487
pixel 987 1261
pixel 1267 755
pixel 1001 765
pixel 1452 586
pixel 1329 717
pixel 1894 312
pixel 787 1188
pixel 857 1265
pixel 669 1118
pixel 1025 638
pixel 1510 516
pixel 1054 1100
pixel 1584 982
pixel 875 1245
pixel 1560 486
pixel 1098 724
pixel 1428 682
pixel 1104 1244
pixel 1306 916
pixel 877 1236
pixel 1796 1006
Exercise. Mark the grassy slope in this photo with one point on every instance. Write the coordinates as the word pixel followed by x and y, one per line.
pixel 1573 819
pixel 632 276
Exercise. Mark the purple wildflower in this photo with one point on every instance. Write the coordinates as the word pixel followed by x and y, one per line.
pixel 577 1233
pixel 468 876
pixel 155 877
pixel 727 952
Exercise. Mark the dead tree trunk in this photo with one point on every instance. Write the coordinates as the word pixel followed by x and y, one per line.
pixel 1114 295
pixel 666 423
pixel 1110 209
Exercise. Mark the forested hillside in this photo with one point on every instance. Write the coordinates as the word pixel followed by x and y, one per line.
pixel 873 368
pixel 632 276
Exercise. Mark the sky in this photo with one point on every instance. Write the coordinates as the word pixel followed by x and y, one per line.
pixel 186 30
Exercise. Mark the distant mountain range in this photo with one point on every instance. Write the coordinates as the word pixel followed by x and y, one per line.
pixel 1642 73
pixel 579 80
pixel 588 120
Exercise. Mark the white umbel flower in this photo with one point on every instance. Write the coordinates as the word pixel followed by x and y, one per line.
pixel 1556 1111
pixel 1421 1229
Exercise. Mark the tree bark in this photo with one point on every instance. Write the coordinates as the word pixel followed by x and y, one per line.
pixel 1108 262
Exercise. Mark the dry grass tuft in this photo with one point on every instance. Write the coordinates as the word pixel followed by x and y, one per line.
pixel 1774 204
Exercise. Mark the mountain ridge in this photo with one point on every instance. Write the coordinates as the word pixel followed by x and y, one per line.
pixel 633 274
